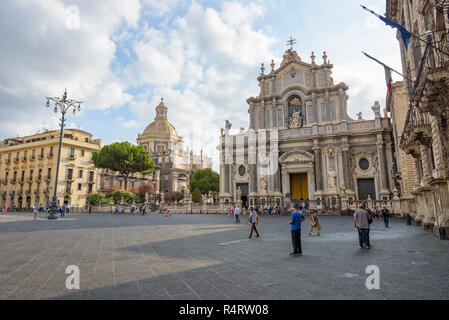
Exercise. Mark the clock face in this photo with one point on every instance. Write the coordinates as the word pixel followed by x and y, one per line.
pixel 242 171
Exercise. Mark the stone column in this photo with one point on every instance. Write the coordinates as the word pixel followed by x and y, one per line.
pixel 384 191
pixel 318 168
pixel 347 168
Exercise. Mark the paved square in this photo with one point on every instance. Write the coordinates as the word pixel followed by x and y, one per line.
pixel 210 257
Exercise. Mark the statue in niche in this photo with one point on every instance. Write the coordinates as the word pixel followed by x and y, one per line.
pixel 239 194
pixel 297 120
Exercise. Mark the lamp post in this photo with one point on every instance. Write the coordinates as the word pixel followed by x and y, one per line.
pixel 63 105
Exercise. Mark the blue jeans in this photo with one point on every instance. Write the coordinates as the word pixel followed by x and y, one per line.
pixel 363 237
pixel 386 221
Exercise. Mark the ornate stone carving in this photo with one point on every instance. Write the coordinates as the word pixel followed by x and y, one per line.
pixel 297 157
pixel 263 183
pixel 331 179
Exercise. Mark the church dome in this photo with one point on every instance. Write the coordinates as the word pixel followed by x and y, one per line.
pixel 160 127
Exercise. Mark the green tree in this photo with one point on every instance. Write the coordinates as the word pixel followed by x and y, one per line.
pixel 125 158
pixel 205 180
pixel 127 196
pixel 197 197
pixel 96 199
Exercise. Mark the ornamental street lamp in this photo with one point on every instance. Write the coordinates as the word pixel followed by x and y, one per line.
pixel 63 105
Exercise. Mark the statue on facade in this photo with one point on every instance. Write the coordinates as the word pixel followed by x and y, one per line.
pixel 297 120
pixel 376 109
pixel 331 178
pixel 359 116
pixel 239 194
pixel 263 183
pixel 162 197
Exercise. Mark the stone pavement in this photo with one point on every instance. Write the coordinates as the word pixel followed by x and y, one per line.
pixel 210 257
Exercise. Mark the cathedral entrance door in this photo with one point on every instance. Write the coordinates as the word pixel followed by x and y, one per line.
pixel 366 188
pixel 299 186
pixel 244 188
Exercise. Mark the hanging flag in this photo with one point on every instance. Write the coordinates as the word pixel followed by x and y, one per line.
pixel 389 79
pixel 405 34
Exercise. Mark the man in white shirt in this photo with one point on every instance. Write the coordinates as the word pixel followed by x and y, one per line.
pixel 237 214
pixel 254 217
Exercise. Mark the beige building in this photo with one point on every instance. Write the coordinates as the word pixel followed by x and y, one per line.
pixel 425 133
pixel 28 169
pixel 302 144
pixel 166 149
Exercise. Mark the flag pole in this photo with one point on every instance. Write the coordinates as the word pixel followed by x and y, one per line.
pixel 385 66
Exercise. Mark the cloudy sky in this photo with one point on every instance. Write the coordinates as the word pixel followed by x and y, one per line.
pixel 203 57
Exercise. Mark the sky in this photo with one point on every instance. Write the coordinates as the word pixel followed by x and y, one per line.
pixel 203 57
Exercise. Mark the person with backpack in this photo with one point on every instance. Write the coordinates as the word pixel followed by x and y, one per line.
pixel 386 216
pixel 362 221
pixel 314 223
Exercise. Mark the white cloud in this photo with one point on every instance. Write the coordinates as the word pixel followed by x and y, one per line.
pixel 40 57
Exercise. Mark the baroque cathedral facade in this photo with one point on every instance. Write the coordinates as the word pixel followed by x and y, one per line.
pixel 301 143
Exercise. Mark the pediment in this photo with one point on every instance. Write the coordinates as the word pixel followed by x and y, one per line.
pixel 297 157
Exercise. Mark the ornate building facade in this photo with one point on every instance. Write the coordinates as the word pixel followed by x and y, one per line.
pixel 28 169
pixel 166 148
pixel 302 144
pixel 425 133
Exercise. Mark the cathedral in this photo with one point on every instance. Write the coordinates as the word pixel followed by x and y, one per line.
pixel 301 143
pixel 166 149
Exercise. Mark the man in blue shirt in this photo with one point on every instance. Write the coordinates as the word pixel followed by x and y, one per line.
pixel 295 225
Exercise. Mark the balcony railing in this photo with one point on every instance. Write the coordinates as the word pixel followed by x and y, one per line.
pixel 32 158
pixel 417 129
pixel 13 180
pixel 19 192
pixel 8 161
pixel 39 178
pixel 68 192
pixel 72 157
pixel 24 158
pixel 69 178
pixel 37 191
pixel 16 160
pixel 50 155
pixel 30 179
pixel 12 192
pixel 27 191
pixel 40 156
pixel 46 191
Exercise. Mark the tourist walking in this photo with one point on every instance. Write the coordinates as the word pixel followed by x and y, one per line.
pixel 386 216
pixel 295 227
pixel 90 209
pixel 116 209
pixel 4 209
pixel 314 223
pixel 167 211
pixel 237 214
pixel 35 211
pixel 254 218
pixel 63 210
pixel 143 210
pixel 362 223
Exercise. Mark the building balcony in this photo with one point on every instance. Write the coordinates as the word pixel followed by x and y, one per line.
pixel 72 157
pixel 27 192
pixel 46 191
pixel 91 182
pixel 40 157
pixel 47 178
pixel 39 178
pixel 69 179
pixel 30 179
pixel 12 192
pixel 16 160
pixel 3 193
pixel 68 192
pixel 4 181
pixel 19 192
pixel 50 155
pixel 8 161
pixel 24 159
pixel 12 180
pixel 22 181
pixel 37 191
pixel 32 158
